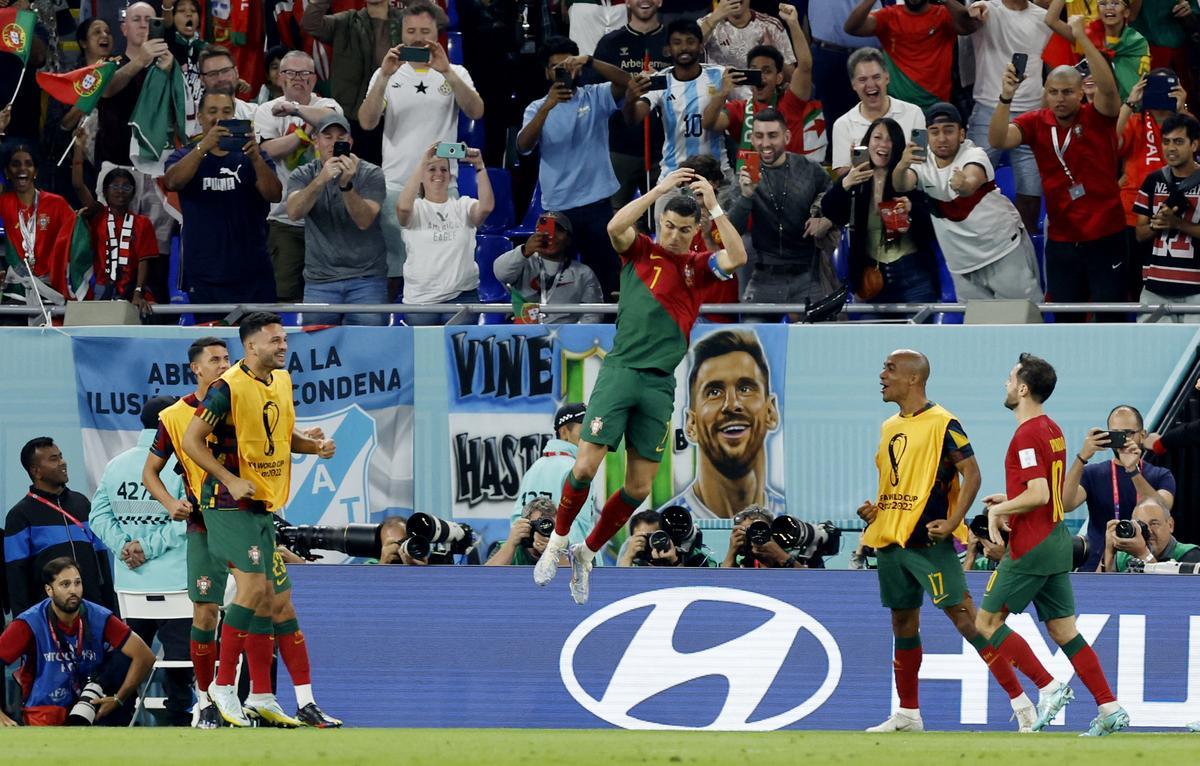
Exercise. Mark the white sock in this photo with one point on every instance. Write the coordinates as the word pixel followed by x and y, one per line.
pixel 1020 702
pixel 1048 687
pixel 557 541
pixel 585 554
pixel 260 699
pixel 304 695
pixel 910 712
pixel 1108 708
pixel 202 698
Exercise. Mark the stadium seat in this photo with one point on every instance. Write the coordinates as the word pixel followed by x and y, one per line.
pixel 467 185
pixel 947 294
pixel 502 217
pixel 454 47
pixel 489 247
pixel 470 132
pixel 174 280
pixel 452 14
pixel 528 224
pixel 155 606
pixel 1006 182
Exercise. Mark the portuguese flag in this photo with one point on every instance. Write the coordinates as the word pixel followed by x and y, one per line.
pixel 82 88
pixel 16 32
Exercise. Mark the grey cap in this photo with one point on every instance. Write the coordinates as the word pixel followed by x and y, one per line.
pixel 560 220
pixel 331 119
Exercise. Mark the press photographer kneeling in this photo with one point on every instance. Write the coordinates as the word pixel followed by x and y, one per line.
pixel 1147 538
pixel 665 539
pixel 759 541
pixel 528 536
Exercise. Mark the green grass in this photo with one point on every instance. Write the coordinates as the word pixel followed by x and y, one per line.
pixel 542 747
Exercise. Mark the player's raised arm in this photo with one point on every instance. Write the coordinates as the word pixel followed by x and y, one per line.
pixel 734 253
pixel 622 229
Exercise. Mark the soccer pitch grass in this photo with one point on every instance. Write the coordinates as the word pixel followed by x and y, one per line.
pixel 493 747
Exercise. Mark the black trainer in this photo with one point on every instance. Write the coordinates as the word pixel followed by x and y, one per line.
pixel 210 718
pixel 311 715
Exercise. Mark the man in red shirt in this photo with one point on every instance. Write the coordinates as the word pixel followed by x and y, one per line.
pixel 64 644
pixel 919 39
pixel 1075 146
pixel 1037 565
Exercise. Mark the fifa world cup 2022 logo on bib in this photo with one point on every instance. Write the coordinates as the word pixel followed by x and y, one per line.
pixel 270 421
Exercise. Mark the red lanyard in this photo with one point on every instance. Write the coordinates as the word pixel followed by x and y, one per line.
pixel 58 508
pixel 69 655
pixel 1116 494
pixel 557 454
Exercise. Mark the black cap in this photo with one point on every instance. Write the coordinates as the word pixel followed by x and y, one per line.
pixel 943 112
pixel 152 407
pixel 569 413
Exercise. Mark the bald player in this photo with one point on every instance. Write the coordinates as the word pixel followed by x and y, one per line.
pixel 928 479
pixel 1075 147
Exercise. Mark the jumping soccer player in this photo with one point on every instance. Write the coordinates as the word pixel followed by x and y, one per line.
pixel 1039 552
pixel 923 454
pixel 250 413
pixel 206 575
pixel 662 285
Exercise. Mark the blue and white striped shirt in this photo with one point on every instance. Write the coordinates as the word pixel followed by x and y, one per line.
pixel 682 105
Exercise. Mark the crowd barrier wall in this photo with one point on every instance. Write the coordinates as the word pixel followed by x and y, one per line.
pixel 736 650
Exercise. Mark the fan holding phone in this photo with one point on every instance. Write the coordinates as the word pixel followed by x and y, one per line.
pixel 543 272
pixel 1156 97
pixel 1167 215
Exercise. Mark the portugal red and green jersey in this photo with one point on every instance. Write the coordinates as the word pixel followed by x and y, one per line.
pixel 920 52
pixel 1038 450
pixel 661 293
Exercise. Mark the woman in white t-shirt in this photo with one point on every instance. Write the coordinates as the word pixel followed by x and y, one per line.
pixel 439 235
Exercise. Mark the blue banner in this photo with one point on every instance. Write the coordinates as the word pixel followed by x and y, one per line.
pixel 356 384
pixel 733 650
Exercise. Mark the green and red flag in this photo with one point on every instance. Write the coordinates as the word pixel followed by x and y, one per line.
pixel 16 32
pixel 81 88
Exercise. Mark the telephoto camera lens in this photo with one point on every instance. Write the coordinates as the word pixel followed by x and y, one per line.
pixel 758 533
pixel 416 548
pixel 677 523
pixel 83 712
pixel 660 541
pixel 1125 530
pixel 435 530
pixel 543 526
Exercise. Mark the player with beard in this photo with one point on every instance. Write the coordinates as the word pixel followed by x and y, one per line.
pixel 928 479
pixel 1038 563
pixel 731 410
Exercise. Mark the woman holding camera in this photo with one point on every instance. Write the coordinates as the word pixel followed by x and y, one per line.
pixel 892 257
pixel 439 233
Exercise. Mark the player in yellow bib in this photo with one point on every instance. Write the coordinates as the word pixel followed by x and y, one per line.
pixel 250 414
pixel 928 478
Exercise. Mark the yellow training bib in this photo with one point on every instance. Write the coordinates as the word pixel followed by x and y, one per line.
pixel 263 418
pixel 175 420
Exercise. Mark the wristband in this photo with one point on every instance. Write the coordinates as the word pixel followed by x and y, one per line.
pixel 715 211
pixel 347 187
pixel 1133 107
pixel 1080 458
pixel 1135 472
pixel 137 289
pixel 1005 101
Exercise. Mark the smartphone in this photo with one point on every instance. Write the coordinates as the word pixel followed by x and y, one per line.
pixel 858 156
pixel 414 54
pixel 752 77
pixel 1019 62
pixel 239 134
pixel 341 148
pixel 1158 92
pixel 546 225
pixel 1084 68
pixel 158 29
pixel 920 137
pixel 1177 201
pixel 753 163
pixel 563 77
pixel 451 151
pixel 658 82
pixel 1117 438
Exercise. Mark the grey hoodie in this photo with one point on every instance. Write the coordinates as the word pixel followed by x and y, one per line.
pixel 576 283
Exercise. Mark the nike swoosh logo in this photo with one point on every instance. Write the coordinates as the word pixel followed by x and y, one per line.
pixel 1116 266
pixel 941 598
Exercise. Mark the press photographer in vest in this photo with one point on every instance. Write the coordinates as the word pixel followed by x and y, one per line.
pixel 1149 537
pixel 67 646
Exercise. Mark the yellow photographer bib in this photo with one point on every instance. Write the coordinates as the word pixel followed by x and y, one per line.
pixel 910 453
pixel 263 418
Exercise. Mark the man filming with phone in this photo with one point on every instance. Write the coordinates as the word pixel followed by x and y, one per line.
pixel 345 260
pixel 543 271
pixel 1112 488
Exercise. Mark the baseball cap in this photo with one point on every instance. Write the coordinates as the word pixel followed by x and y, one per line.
pixel 943 112
pixel 569 413
pixel 152 407
pixel 329 120
pixel 560 220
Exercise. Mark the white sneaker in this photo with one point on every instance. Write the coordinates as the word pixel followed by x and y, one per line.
pixel 580 572
pixel 270 712
pixel 900 721
pixel 547 566
pixel 226 701
pixel 1026 718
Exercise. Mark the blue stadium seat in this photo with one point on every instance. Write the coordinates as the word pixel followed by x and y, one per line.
pixel 841 257
pixel 947 294
pixel 528 224
pixel 452 13
pixel 467 185
pixel 489 247
pixel 290 318
pixel 454 47
pixel 470 132
pixel 174 280
pixel 1006 182
pixel 502 217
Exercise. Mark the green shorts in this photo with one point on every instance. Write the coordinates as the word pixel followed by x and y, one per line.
pixel 1011 590
pixel 634 404
pixel 906 573
pixel 246 540
pixel 206 573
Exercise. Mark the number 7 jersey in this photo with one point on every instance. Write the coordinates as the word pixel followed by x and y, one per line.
pixel 1038 450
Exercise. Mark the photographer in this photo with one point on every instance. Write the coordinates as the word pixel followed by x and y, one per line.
pixel 982 554
pixel 1148 537
pixel 752 546
pixel 528 536
pixel 66 646
pixel 649 544
pixel 392 534
pixel 1111 489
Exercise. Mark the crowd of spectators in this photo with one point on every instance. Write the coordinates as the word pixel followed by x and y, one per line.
pixel 914 150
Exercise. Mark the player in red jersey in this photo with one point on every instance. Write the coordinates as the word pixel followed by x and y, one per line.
pixel 662 286
pixel 1037 565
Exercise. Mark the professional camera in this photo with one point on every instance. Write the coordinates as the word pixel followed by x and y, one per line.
pixel 1079 551
pixel 358 540
pixel 83 712
pixel 543 526
pixel 979 525
pixel 1125 530
pixel 804 540
pixel 678 524
pixel 441 539
pixel 758 533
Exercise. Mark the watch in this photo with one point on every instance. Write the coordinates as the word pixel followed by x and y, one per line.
pixel 347 187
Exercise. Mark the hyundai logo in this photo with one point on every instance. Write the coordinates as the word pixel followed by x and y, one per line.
pixel 750 663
